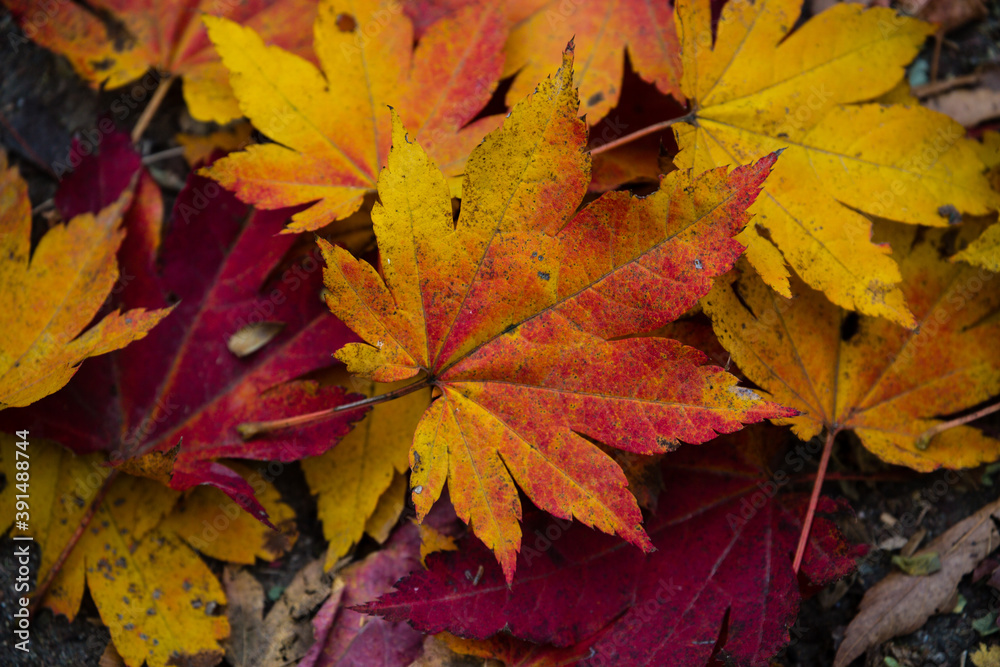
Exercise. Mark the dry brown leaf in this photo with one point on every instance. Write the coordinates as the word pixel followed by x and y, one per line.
pixel 899 604
pixel 968 107
pixel 950 14
pixel 284 635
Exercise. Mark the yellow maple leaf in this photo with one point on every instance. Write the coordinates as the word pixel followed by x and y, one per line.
pixel 350 479
pixel 388 510
pixel 50 295
pixel 157 597
pixel 760 87
pixel 886 383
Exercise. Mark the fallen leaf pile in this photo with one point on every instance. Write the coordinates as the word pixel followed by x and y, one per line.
pixel 591 294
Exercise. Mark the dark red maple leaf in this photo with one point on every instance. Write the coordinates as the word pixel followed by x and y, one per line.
pixel 724 550
pixel 97 183
pixel 183 384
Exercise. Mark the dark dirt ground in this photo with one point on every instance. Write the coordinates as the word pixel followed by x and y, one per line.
pixel 42 105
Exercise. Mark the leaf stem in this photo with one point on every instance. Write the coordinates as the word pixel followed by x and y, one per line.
pixel 924 439
pixel 249 430
pixel 800 551
pixel 43 587
pixel 150 110
pixel 656 127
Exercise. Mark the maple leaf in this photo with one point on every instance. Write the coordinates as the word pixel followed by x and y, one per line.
pixel 98 183
pixel 868 375
pixel 114 42
pixel 184 384
pixel 350 479
pixel 332 126
pixel 718 520
pixel 760 87
pixel 50 295
pixel 516 313
pixel 602 31
pixel 151 589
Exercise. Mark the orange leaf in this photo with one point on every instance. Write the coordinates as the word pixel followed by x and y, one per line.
pixel 331 125
pixel 516 315
pixel 52 294
pixel 601 32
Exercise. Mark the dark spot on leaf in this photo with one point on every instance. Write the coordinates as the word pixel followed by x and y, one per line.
pixel 849 326
pixel 596 98
pixel 950 212
pixel 346 23
pixel 102 65
pixel 543 275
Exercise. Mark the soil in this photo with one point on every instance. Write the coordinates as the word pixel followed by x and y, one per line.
pixel 43 104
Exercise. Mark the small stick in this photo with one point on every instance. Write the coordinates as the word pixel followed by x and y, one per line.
pixel 249 430
pixel 814 500
pixel 44 206
pixel 43 587
pixel 628 138
pixel 150 110
pixel 938 87
pixel 924 439
pixel 176 151
pixel 936 58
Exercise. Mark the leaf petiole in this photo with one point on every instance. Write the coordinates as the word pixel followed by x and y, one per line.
pixel 250 430
pixel 800 551
pixel 655 127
